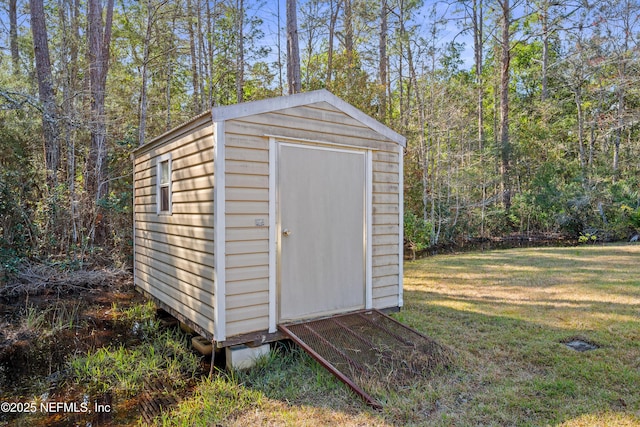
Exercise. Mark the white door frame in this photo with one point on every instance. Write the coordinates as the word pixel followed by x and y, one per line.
pixel 274 216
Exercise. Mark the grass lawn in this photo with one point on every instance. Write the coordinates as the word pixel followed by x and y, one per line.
pixel 506 316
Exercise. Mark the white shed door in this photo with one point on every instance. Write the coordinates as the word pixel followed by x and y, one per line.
pixel 321 205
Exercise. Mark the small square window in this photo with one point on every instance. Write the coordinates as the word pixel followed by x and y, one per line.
pixel 164 184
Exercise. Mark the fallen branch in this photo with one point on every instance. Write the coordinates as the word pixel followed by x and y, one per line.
pixel 37 279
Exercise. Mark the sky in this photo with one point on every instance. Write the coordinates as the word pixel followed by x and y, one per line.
pixel 449 29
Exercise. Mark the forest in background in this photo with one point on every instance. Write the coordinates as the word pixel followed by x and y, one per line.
pixel 536 133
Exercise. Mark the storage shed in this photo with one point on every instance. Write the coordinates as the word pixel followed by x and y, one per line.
pixel 269 212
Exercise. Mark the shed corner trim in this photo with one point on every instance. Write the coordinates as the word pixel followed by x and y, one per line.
pixel 219 280
pixel 273 240
pixel 401 226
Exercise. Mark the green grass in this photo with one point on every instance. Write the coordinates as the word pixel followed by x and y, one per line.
pixel 123 371
pixel 506 316
pixel 48 321
pixel 509 313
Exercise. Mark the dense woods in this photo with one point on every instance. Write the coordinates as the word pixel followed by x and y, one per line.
pixel 521 116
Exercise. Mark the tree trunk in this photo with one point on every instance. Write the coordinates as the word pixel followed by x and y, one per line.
pixel 544 17
pixel 478 45
pixel 620 128
pixel 348 32
pixel 293 49
pixel 478 50
pixel 194 59
pixel 69 49
pixel 592 143
pixel 145 72
pixel 203 62
pixel 332 32
pixel 210 53
pixel 13 35
pixel 349 44
pixel 423 149
pixel 382 108
pixel 169 75
pixel 581 153
pixel 279 47
pixel 99 36
pixel 50 126
pixel 240 52
pixel 505 144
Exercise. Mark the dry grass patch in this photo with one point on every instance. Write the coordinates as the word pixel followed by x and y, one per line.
pixel 510 313
pixel 507 316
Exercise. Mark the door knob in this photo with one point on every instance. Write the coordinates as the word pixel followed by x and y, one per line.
pixel 286 232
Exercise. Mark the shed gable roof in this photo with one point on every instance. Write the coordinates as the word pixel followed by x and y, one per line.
pixel 273 104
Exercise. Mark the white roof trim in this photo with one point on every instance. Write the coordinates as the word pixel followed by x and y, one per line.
pixel 272 104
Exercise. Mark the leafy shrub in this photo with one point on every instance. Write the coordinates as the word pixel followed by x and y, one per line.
pixel 417 231
pixel 587 237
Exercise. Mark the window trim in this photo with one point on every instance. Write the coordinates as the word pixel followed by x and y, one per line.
pixel 161 159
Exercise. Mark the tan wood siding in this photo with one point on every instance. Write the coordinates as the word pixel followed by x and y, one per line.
pixel 247 323
pixel 243 313
pixel 174 254
pixel 247 273
pixel 185 256
pixel 193 315
pixel 386 228
pixel 385 302
pixel 181 291
pixel 384 291
pixel 248 299
pixel 200 245
pixel 383 281
pixel 382 260
pixel 244 287
pixel 242 260
pixel 247 192
pixel 248 247
pixel 385 270
pixel 178 230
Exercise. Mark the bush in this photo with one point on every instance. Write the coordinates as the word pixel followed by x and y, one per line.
pixel 417 231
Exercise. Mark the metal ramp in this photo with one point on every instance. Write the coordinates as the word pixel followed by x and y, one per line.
pixel 368 351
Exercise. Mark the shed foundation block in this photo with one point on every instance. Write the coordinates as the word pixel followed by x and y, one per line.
pixel 243 357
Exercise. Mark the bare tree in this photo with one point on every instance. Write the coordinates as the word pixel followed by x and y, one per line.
pixel 210 50
pixel 334 10
pixel 505 62
pixel 623 25
pixel 194 58
pixel 145 75
pixel 348 32
pixel 69 12
pixel 478 47
pixel 13 35
pixel 293 49
pixel 240 51
pixel 382 70
pixel 50 126
pixel 279 48
pixel 99 37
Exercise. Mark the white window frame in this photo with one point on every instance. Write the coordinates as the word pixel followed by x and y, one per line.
pixel 161 159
